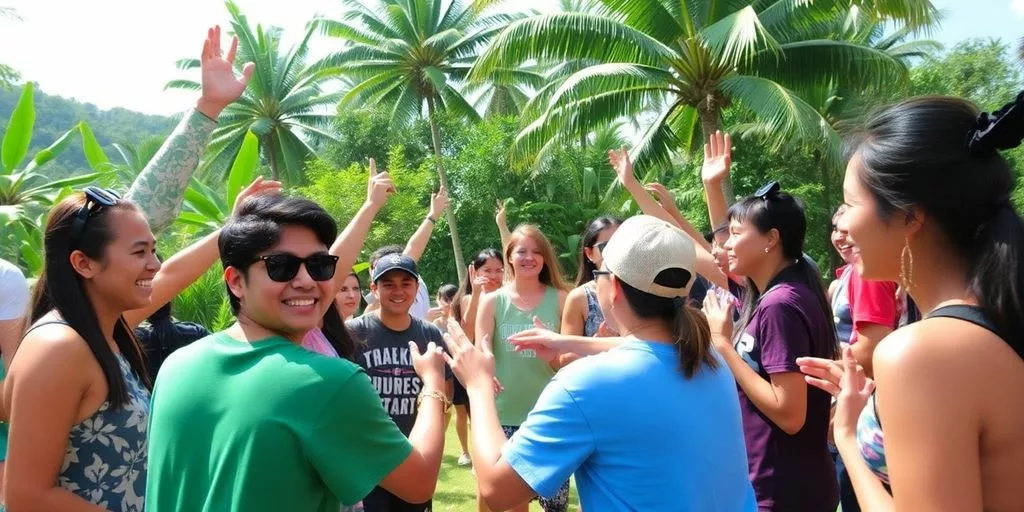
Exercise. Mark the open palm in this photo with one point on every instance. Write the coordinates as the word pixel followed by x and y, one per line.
pixel 220 85
pixel 717 158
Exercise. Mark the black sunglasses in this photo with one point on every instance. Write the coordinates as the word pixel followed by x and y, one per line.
pixel 95 199
pixel 768 190
pixel 601 245
pixel 284 267
pixel 597 273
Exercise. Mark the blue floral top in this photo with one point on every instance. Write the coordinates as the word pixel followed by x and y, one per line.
pixel 106 460
pixel 594 314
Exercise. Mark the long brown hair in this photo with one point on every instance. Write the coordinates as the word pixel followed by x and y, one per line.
pixel 60 288
pixel 551 274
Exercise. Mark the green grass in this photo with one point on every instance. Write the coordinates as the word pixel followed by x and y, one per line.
pixel 456 487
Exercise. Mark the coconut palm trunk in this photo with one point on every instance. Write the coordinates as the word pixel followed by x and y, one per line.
pixel 442 176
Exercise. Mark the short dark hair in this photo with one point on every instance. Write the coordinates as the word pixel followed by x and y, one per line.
pixel 257 227
pixel 384 251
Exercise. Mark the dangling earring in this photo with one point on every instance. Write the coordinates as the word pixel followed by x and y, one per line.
pixel 906 266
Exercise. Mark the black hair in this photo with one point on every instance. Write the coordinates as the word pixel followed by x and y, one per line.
pixel 447 292
pixel 384 251
pixel 689 327
pixel 915 156
pixel 257 227
pixel 337 334
pixel 61 288
pixel 784 213
pixel 467 287
pixel 585 272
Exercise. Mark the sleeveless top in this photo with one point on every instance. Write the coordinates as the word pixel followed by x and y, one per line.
pixel 522 374
pixel 105 462
pixel 870 437
pixel 594 314
pixel 841 311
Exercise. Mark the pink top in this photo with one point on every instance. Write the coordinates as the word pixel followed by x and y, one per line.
pixel 315 341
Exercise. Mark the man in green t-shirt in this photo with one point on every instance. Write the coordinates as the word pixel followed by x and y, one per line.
pixel 248 420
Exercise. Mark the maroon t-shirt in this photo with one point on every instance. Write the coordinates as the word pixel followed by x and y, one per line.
pixel 789 472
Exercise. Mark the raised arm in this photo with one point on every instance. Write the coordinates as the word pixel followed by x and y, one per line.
pixel 472 302
pixel 668 203
pixel 502 221
pixel 189 264
pixel 350 242
pixel 160 187
pixel 418 243
pixel 717 161
pixel 624 170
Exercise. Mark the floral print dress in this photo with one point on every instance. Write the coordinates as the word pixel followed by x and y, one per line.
pixel 106 459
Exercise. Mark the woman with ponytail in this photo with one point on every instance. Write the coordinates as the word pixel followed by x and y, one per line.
pixel 652 424
pixel 785 316
pixel 928 205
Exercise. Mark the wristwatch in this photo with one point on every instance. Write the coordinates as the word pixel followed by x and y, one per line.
pixel 431 219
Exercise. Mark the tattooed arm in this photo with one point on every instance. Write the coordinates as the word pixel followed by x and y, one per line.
pixel 160 187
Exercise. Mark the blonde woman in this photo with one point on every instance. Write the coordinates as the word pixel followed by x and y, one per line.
pixel 536 293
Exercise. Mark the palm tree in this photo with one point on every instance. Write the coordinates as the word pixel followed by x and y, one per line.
pixel 284 104
pixel 697 57
pixel 411 54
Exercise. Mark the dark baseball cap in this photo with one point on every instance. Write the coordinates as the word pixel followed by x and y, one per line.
pixel 394 262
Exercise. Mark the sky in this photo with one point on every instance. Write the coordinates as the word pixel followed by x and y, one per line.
pixel 120 53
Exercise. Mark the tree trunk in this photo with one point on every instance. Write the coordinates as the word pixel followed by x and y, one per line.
pixel 834 259
pixel 268 146
pixel 710 122
pixel 442 176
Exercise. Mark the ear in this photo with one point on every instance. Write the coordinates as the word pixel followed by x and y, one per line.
pixel 84 265
pixel 773 238
pixel 617 292
pixel 912 221
pixel 236 281
pixel 373 288
pixel 588 253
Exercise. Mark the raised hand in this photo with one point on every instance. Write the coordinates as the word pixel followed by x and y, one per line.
pixel 476 281
pixel 665 197
pixel 438 203
pixel 220 85
pixel 844 380
pixel 257 187
pixel 379 187
pixel 719 315
pixel 717 158
pixel 499 214
pixel 619 159
pixel 472 364
pixel 429 365
pixel 542 340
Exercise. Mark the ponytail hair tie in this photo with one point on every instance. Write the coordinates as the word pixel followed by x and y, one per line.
pixel 1002 129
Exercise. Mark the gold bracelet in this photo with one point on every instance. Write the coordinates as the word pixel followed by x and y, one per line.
pixel 435 394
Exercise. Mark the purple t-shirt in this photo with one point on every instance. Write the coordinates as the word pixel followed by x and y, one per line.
pixel 789 472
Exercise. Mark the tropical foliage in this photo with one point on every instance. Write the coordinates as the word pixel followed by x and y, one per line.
pixel 283 105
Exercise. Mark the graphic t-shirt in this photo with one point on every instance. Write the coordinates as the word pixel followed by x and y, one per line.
pixel 789 472
pixel 522 374
pixel 265 426
pixel 675 445
pixel 384 354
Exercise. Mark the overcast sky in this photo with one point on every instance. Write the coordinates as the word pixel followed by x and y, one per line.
pixel 121 52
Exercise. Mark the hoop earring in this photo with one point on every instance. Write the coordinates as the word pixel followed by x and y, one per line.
pixel 906 266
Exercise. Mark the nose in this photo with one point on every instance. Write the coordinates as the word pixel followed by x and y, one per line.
pixel 153 263
pixel 302 279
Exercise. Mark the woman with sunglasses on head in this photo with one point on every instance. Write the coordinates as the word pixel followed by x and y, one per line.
pixel 928 200
pixel 785 316
pixel 536 293
pixel 78 394
pixel 582 315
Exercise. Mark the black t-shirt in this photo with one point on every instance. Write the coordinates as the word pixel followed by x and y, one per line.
pixel 384 354
pixel 159 341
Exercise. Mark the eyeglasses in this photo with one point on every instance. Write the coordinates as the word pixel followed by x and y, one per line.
pixel 768 190
pixel 601 245
pixel 95 199
pixel 597 273
pixel 284 267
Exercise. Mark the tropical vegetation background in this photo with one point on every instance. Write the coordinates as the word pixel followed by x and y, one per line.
pixel 498 103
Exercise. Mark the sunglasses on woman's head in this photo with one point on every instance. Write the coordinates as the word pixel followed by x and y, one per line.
pixel 283 267
pixel 95 199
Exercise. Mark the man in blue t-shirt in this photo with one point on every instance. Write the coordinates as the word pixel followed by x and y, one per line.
pixel 652 424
